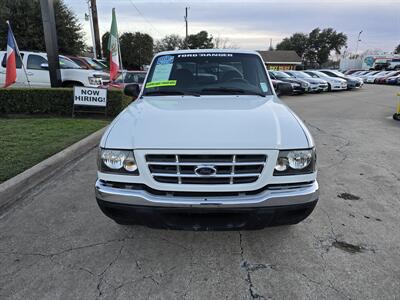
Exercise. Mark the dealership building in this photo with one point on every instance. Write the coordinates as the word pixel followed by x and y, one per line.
pixel 280 59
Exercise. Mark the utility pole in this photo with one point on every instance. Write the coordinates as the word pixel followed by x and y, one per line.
pixel 186 20
pixel 95 21
pixel 50 39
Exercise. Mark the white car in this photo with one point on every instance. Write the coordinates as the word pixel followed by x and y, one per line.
pixel 371 78
pixel 207 145
pixel 334 83
pixel 38 74
pixel 316 84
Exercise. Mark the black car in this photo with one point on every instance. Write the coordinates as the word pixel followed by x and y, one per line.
pixel 299 86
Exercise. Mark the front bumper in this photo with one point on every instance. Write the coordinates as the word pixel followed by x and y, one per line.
pixel 270 207
pixel 273 196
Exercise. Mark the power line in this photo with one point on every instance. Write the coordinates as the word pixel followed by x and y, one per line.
pixel 144 18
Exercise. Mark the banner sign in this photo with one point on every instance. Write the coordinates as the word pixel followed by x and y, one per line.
pixel 90 96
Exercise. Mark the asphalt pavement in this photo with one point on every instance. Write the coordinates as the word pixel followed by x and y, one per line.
pixel 56 244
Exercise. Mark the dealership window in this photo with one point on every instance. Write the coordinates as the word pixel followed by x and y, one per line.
pixel 34 62
pixel 19 62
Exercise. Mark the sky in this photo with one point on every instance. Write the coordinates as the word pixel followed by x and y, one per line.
pixel 252 24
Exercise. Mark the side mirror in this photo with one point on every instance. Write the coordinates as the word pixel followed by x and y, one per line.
pixel 132 90
pixel 44 66
pixel 284 88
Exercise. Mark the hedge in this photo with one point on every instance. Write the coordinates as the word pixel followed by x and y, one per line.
pixel 55 101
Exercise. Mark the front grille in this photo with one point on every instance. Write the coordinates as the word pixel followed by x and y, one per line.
pixel 225 168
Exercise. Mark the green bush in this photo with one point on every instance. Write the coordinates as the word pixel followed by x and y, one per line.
pixel 54 101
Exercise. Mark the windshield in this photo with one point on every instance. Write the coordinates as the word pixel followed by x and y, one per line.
pixel 337 73
pixel 66 63
pixel 94 65
pixel 211 73
pixel 320 74
pixel 279 74
pixel 302 75
pixel 131 77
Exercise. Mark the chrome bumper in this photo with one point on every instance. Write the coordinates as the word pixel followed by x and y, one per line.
pixel 270 197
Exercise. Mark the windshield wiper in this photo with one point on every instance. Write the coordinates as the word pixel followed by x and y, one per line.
pixel 171 93
pixel 233 90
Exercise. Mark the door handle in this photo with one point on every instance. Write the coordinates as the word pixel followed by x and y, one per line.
pixel 29 73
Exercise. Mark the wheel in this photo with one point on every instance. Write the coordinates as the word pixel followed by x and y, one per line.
pixel 396 117
pixel 329 87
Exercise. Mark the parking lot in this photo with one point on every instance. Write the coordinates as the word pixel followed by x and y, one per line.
pixel 56 244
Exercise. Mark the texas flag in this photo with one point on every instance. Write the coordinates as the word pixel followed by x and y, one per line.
pixel 11 63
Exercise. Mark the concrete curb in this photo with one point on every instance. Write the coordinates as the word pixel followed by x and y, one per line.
pixel 17 187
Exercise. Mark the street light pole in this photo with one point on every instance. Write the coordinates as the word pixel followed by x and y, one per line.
pixel 358 40
pixel 92 29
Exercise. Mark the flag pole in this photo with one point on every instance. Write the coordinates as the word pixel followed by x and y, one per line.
pixel 120 58
pixel 19 55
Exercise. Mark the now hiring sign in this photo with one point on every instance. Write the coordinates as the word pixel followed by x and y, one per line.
pixel 90 96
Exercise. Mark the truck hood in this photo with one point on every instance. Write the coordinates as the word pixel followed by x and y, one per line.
pixel 207 122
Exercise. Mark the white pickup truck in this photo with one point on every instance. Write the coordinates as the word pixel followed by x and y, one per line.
pixel 37 72
pixel 207 146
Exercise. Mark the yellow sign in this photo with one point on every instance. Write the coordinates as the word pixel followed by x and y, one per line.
pixel 160 83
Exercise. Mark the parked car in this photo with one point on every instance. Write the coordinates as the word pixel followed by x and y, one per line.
pixel 299 86
pixel 316 84
pixel 364 76
pixel 87 63
pixel 277 84
pixel 221 153
pixel 394 64
pixel 127 77
pixel 102 62
pixel 371 78
pixel 352 71
pixel 382 79
pixel 37 71
pixel 352 82
pixel 334 83
pixel 393 80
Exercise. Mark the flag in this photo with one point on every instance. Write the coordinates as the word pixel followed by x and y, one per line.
pixel 11 62
pixel 113 47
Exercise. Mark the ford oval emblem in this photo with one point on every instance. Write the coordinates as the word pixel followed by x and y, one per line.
pixel 205 171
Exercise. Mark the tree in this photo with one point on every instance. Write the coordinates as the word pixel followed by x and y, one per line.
pixel 26 21
pixel 297 42
pixel 136 49
pixel 169 42
pixel 397 50
pixel 315 47
pixel 223 43
pixel 322 43
pixel 199 41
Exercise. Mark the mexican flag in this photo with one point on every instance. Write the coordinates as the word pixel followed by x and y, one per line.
pixel 113 47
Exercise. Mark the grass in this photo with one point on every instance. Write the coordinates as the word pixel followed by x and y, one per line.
pixel 25 142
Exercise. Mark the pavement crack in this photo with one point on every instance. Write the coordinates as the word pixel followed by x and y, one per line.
pixel 244 264
pixel 101 275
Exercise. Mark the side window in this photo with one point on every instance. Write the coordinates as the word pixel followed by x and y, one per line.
pixel 19 62
pixel 34 62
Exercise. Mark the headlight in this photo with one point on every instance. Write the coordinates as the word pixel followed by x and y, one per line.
pixel 94 81
pixel 295 162
pixel 117 161
pixel 305 84
pixel 295 85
